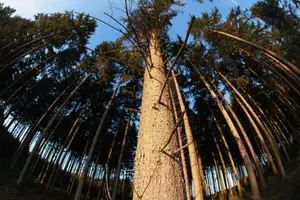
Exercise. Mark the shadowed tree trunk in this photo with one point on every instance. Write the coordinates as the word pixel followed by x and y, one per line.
pixel 116 181
pixel 92 149
pixel 43 134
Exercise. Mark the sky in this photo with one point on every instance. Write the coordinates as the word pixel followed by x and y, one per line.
pixel 96 8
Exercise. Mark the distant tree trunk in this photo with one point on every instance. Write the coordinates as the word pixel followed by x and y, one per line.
pixel 116 181
pixel 157 175
pixel 219 178
pixel 43 134
pixel 31 132
pixel 270 141
pixel 183 160
pixel 268 52
pixel 80 163
pixel 256 161
pixel 95 140
pixel 223 166
pixel 240 144
pixel 93 175
pixel 239 187
pixel 58 165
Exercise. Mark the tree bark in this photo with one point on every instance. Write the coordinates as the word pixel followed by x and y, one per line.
pixel 182 156
pixel 195 169
pixel 157 175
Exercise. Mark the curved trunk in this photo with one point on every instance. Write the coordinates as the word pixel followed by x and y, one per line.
pixel 116 181
pixel 248 142
pixel 45 131
pixel 241 147
pixel 270 141
pixel 195 169
pixel 157 175
pixel 271 53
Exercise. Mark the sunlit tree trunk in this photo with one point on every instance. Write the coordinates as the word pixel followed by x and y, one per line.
pixel 197 175
pixel 157 175
pixel 240 144
pixel 270 141
pixel 250 146
pixel 182 156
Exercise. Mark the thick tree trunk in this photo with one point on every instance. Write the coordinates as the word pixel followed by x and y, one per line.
pixel 157 175
pixel 45 131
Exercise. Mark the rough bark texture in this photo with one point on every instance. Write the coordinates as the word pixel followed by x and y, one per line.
pixel 157 175
pixel 195 169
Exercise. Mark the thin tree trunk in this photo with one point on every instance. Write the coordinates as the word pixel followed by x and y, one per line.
pixel 116 181
pixel 92 149
pixel 223 166
pixel 43 134
pixel 31 133
pixel 183 160
pixel 195 169
pixel 241 147
pixel 256 161
pixel 268 52
pixel 219 178
pixel 270 141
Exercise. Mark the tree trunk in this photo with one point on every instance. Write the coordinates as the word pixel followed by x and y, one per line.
pixel 182 156
pixel 241 147
pixel 270 141
pixel 31 133
pixel 256 161
pixel 157 175
pixel 219 178
pixel 95 140
pixel 43 134
pixel 116 181
pixel 195 169
pixel 281 59
pixel 223 166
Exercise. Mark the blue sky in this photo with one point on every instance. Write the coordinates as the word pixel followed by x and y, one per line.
pixel 27 8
